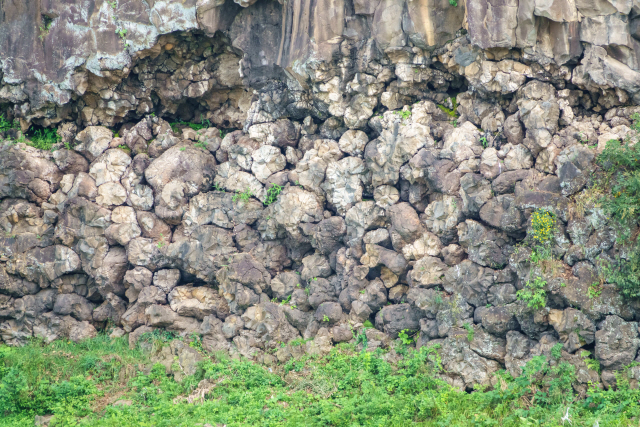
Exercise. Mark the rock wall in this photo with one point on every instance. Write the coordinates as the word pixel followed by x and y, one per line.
pixel 96 62
pixel 358 162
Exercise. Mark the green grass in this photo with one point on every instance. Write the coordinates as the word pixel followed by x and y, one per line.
pixel 44 139
pixel 77 383
pixel 6 125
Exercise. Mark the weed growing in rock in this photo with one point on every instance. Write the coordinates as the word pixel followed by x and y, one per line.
pixel 217 187
pixel 244 196
pixel 404 114
pixel 594 291
pixel 453 3
pixel 113 4
pixel 592 364
pixel 404 337
pixel 470 331
pixel 534 294
pixel 325 318
pixel 200 145
pixel 7 125
pixel 453 112
pixel 556 351
pixel 543 225
pixel 122 33
pixel 43 139
pixel 483 141
pixel 47 21
pixel 272 194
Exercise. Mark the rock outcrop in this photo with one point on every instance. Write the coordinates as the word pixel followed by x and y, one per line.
pixel 258 172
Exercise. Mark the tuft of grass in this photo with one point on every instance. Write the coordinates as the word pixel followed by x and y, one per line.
pixel 43 139
pixel 244 196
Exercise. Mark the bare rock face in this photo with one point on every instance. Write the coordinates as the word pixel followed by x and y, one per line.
pixel 616 342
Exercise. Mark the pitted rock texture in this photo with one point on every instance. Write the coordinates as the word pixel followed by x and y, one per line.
pixel 325 181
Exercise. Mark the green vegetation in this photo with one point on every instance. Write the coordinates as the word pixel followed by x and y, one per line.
pixel 244 196
pixel 620 201
pixel 7 125
pixel 470 331
pixel 483 141
pixel 556 351
pixel 122 33
pixel 404 114
pixel 453 112
pixel 453 3
pixel 594 291
pixel 534 294
pixel 272 194
pixel 204 124
pixel 405 339
pixel 113 4
pixel 44 139
pixel 80 383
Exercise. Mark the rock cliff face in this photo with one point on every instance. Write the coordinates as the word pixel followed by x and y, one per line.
pixel 354 162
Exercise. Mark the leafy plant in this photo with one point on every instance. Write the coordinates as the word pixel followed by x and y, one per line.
pixel 325 318
pixel 272 194
pixel 7 125
pixel 483 141
pixel 404 337
pixel 47 21
pixel 453 3
pixel 594 291
pixel 592 364
pixel 244 196
pixel 113 4
pixel 556 351
pixel 534 294
pixel 122 33
pixel 470 331
pixel 202 145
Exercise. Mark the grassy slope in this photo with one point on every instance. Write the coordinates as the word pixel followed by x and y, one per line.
pixel 80 382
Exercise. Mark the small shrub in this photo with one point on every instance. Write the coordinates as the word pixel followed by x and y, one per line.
pixel 534 294
pixel 272 194
pixel 543 225
pixel 404 337
pixel 453 3
pixel 325 318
